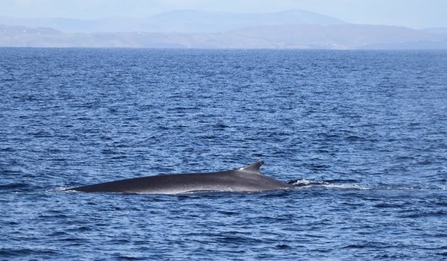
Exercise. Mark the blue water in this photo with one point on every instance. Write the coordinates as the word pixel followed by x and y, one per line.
pixel 363 134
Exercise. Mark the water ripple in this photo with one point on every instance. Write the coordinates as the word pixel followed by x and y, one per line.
pixel 361 135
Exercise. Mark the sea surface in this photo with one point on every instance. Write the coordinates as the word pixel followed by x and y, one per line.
pixel 362 135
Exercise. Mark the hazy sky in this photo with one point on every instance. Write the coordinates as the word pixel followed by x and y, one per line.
pixel 411 13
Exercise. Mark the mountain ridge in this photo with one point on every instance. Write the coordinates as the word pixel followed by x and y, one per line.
pixel 290 29
pixel 178 21
pixel 310 36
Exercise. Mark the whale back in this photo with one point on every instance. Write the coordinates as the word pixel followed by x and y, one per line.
pixel 244 179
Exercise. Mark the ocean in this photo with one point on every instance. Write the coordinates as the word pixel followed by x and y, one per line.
pixel 362 135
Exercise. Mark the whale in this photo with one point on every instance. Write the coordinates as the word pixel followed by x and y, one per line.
pixel 244 179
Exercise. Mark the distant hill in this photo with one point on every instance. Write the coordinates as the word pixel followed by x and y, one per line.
pixel 439 31
pixel 292 29
pixel 182 21
pixel 22 36
pixel 305 36
pixel 346 36
pixel 201 22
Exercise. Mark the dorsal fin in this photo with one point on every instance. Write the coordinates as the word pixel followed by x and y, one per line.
pixel 253 167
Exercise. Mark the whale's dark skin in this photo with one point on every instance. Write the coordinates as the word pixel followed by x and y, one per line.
pixel 245 179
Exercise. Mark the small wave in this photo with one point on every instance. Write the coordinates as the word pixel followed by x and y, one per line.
pixel 406 187
pixel 346 186
pixel 427 214
pixel 312 183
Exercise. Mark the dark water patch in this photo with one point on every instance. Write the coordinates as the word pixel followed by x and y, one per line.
pixel 387 205
pixel 27 253
pixel 282 246
pixel 234 239
pixel 229 213
pixel 15 187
